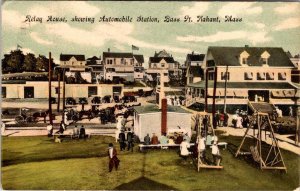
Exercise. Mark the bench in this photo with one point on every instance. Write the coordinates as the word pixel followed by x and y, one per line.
pixel 162 146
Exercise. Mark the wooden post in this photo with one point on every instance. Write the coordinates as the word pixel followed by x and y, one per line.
pixel 50 76
pixel 297 135
pixel 58 92
pixel 64 96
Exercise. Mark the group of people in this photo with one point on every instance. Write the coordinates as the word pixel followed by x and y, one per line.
pixel 129 139
pixel 63 127
pixel 220 119
pixel 177 138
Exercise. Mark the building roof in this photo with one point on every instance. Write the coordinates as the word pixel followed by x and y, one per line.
pixel 117 54
pixel 230 56
pixel 154 109
pixel 67 57
pixel 196 71
pixel 245 85
pixel 139 58
pixel 195 57
pixel 158 59
pixel 162 53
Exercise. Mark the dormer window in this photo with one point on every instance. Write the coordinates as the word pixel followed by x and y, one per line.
pixel 162 65
pixel 264 57
pixel 244 58
pixel 282 76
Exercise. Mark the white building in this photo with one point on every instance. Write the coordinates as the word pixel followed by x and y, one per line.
pixel 195 64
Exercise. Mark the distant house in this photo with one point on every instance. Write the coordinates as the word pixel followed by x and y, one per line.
pixel 75 64
pixel 96 65
pixel 254 74
pixel 194 63
pixel 296 71
pixel 122 65
pixel 163 61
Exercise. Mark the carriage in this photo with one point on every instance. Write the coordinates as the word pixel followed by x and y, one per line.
pixel 27 115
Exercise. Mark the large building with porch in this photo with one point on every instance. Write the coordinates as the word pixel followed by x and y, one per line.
pixel 258 74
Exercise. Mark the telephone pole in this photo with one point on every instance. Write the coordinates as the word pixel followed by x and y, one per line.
pixel 50 76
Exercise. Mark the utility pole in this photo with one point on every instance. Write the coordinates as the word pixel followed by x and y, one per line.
pixel 225 93
pixel 58 92
pixel 214 92
pixel 64 97
pixel 206 88
pixel 50 76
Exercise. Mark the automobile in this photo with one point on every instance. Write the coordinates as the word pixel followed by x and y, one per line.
pixel 96 100
pixel 127 99
pixel 70 101
pixel 106 99
pixel 83 100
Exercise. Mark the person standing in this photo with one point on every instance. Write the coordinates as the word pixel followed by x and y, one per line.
pixel 201 147
pixel 122 140
pixel 49 130
pixel 222 119
pixel 226 117
pixel 290 111
pixel 130 140
pixel 113 159
pixel 216 154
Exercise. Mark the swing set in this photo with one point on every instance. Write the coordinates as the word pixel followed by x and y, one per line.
pixel 270 160
pixel 199 118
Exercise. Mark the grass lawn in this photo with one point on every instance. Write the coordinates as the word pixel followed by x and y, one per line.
pixel 30 163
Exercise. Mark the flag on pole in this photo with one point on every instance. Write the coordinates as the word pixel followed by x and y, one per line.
pixel 18 46
pixel 134 47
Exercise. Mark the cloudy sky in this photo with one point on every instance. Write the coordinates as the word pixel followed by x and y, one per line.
pixel 264 24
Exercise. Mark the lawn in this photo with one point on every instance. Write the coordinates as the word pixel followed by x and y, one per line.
pixel 31 163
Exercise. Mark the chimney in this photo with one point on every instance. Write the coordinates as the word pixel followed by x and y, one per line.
pixel 108 50
pixel 193 53
pixel 246 46
pixel 164 109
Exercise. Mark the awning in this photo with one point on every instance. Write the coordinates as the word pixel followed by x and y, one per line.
pixel 86 76
pixel 278 93
pixel 70 74
pixel 289 93
pixel 241 93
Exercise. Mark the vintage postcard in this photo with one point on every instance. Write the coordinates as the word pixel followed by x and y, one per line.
pixel 150 95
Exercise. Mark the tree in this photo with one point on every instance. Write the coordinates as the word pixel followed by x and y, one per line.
pixel 15 62
pixel 42 64
pixel 4 62
pixel 29 64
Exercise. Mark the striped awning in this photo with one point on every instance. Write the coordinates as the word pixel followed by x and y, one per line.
pixel 270 75
pixel 261 75
pixel 249 75
pixel 282 75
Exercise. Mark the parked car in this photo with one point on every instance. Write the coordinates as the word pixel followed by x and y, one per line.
pixel 127 99
pixel 83 100
pixel 96 100
pixel 106 99
pixel 70 101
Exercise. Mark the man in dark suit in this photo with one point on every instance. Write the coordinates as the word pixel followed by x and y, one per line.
pixel 130 140
pixel 122 140
pixel 113 159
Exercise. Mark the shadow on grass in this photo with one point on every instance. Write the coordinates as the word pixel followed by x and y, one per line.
pixel 143 183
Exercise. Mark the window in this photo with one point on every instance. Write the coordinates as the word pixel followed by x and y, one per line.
pixel 65 63
pixel 223 75
pixel 28 92
pixel 261 76
pixel 162 65
pixel 244 60
pixel 248 76
pixel 270 76
pixel 264 60
pixel 211 75
pixel 154 65
pixel 80 63
pixel 107 61
pixel 92 90
pixel 165 74
pixel 72 63
pixel 282 76
pixel 3 92
pixel 56 90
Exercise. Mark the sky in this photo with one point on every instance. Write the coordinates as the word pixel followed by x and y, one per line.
pixel 264 24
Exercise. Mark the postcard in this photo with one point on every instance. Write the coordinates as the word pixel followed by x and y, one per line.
pixel 150 95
